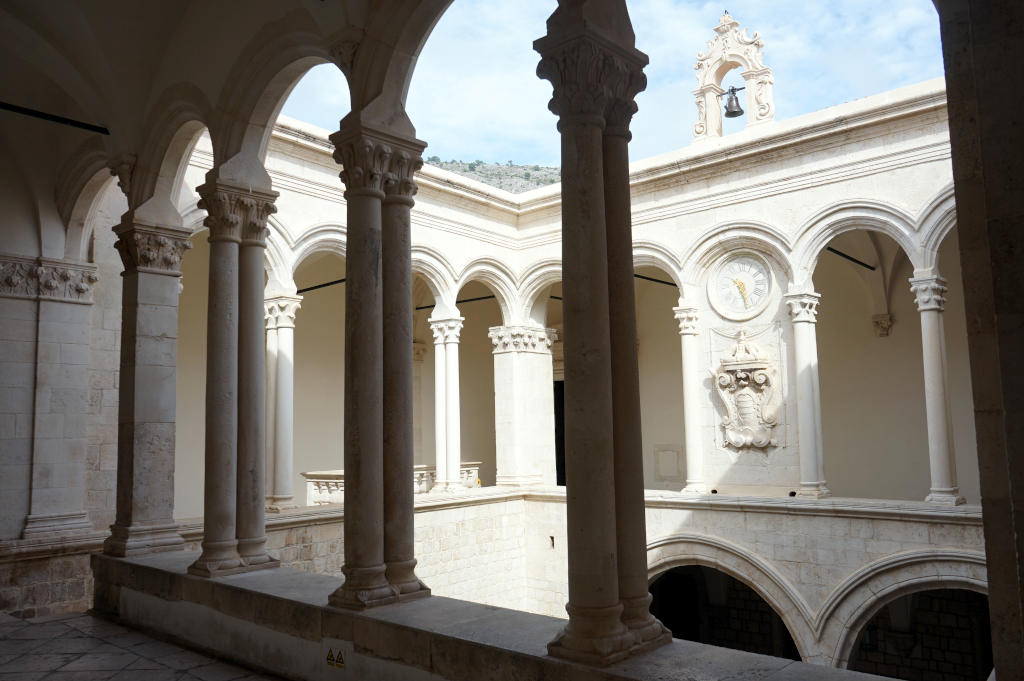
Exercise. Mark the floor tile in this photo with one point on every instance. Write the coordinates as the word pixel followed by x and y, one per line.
pixel 100 662
pixel 20 646
pixel 22 676
pixel 219 671
pixel 83 676
pixel 37 631
pixel 36 663
pixel 184 660
pixel 70 645
pixel 148 675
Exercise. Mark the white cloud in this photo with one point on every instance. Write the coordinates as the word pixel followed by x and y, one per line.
pixel 475 93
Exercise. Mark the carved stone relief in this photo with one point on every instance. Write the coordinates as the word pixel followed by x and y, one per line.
pixel 47 278
pixel 747 385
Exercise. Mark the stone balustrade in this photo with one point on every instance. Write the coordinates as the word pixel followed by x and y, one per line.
pixel 328 487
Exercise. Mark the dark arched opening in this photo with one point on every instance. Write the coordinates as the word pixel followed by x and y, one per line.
pixel 706 605
pixel 941 633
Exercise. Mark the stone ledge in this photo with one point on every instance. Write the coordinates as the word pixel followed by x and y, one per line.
pixel 282 616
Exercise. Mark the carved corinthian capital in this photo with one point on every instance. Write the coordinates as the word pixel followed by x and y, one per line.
pixel 446 330
pixel 236 213
pixel 803 307
pixel 399 182
pixel 280 312
pixel 522 339
pixel 365 161
pixel 582 74
pixel 930 292
pixel 688 318
pixel 151 249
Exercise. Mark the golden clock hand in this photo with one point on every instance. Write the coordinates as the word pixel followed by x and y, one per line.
pixel 743 292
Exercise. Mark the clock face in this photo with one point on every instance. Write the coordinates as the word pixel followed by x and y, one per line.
pixel 740 286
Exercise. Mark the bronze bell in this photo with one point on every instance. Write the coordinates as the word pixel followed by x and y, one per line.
pixel 732 104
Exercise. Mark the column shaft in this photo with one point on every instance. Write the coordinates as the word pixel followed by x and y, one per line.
pixel 453 406
pixel 282 310
pixel 399 533
pixel 145 445
pixel 930 293
pixel 440 408
pixel 803 309
pixel 252 437
pixel 631 521
pixel 271 415
pixel 692 427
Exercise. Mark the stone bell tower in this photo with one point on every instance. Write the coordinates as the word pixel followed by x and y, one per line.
pixel 731 48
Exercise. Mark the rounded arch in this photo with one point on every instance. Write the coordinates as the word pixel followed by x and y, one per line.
pixel 653 254
pixel 742 565
pixel 846 216
pixel 937 220
pixel 278 259
pixel 535 281
pixel 439 276
pixel 854 602
pixel 497 277
pixel 79 225
pixel 728 236
pixel 329 237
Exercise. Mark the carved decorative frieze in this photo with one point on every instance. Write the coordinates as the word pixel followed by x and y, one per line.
pixel 150 250
pixel 689 320
pixel 446 330
pixel 803 307
pixel 929 292
pixel 280 312
pixel 236 214
pixel 746 383
pixel 522 339
pixel 882 324
pixel 47 279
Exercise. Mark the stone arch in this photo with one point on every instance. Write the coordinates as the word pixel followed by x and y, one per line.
pixel 728 236
pixel 854 602
pixel 278 259
pixel 80 226
pixel 535 281
pixel 497 277
pixel 439 275
pixel 936 222
pixel 826 224
pixel 330 237
pixel 653 254
pixel 745 566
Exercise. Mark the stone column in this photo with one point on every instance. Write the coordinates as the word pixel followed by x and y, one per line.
pixel 803 311
pixel 146 407
pixel 452 405
pixel 930 295
pixel 281 312
pixel 578 63
pixel 524 410
pixel 437 328
pixel 688 318
pixel 418 351
pixel 234 213
pixel 396 286
pixel 630 511
pixel 365 157
pixel 252 437
pixel 271 406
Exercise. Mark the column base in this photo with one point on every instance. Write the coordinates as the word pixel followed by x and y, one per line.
pixel 946 497
pixel 253 554
pixel 651 633
pixel 278 504
pixel 139 539
pixel 363 588
pixel 47 524
pixel 594 636
pixel 813 490
pixel 218 559
pixel 401 576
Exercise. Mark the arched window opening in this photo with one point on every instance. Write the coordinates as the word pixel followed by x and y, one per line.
pixel 941 633
pixel 706 605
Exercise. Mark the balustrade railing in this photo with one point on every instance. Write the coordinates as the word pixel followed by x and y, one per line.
pixel 328 487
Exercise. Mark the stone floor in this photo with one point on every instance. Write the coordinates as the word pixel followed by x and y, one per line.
pixel 83 647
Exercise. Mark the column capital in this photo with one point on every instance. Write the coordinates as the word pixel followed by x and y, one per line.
pixel 375 161
pixel 236 214
pixel 803 307
pixel 47 279
pixel 929 292
pixel 688 317
pixel 533 339
pixel 446 330
pixel 151 249
pixel 280 311
pixel 592 78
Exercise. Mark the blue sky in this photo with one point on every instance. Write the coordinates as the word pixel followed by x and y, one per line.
pixel 475 94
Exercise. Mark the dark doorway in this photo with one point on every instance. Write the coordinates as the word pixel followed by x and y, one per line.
pixel 560 432
pixel 708 606
pixel 930 634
